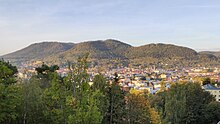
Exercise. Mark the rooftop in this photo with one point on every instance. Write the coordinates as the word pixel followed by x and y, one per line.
pixel 210 87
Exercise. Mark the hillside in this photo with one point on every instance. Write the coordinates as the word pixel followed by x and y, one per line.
pixel 38 51
pixel 99 52
pixel 99 49
pixel 161 51
pixel 217 54
pixel 109 51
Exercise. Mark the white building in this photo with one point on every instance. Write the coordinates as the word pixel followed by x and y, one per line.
pixel 213 90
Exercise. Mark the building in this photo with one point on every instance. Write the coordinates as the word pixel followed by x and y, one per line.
pixel 213 90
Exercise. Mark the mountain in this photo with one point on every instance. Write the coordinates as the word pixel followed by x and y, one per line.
pixel 38 51
pixel 161 51
pixel 217 54
pixel 98 51
pixel 108 51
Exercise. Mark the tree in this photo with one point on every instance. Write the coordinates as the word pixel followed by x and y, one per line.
pixel 7 73
pixel 9 93
pixel 70 99
pixel 100 84
pixel 77 76
pixel 86 110
pixel 206 81
pixel 196 101
pixel 163 86
pixel 45 69
pixel 55 100
pixel 44 74
pixel 157 101
pixel 83 100
pixel 184 103
pixel 212 113
pixel 140 111
pixel 32 106
pixel 117 105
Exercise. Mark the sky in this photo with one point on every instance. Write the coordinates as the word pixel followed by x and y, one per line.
pixel 190 23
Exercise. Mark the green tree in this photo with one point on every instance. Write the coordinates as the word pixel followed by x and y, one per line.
pixel 117 105
pixel 212 113
pixel 9 93
pixel 77 76
pixel 55 100
pixel 86 110
pixel 100 84
pixel 32 106
pixel 7 73
pixel 84 103
pixel 158 102
pixel 206 81
pixel 184 103
pixel 44 74
pixel 83 100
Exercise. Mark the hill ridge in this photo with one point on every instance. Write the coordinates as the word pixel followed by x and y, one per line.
pixel 107 51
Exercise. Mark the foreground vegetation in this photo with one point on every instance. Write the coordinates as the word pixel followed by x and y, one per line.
pixel 49 98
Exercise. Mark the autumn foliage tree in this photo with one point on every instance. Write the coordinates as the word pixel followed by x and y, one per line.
pixel 140 110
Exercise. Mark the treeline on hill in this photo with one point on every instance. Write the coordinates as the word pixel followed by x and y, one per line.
pixel 47 98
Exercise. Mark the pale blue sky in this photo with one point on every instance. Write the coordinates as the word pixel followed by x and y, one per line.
pixel 191 23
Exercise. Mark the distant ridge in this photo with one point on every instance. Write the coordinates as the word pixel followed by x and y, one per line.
pixel 161 50
pixel 106 51
pixel 39 51
pixel 217 54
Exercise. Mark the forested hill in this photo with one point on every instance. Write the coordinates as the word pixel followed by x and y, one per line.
pixel 38 51
pixel 107 50
pixel 217 54
pixel 161 50
pixel 97 50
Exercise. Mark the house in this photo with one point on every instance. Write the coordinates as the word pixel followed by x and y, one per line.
pixel 213 90
pixel 163 76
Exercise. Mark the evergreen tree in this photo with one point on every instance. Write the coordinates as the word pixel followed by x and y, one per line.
pixel 9 94
pixel 212 113
pixel 117 105
pixel 55 100
pixel 100 84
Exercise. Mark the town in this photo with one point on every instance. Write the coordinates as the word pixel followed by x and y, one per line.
pixel 150 79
